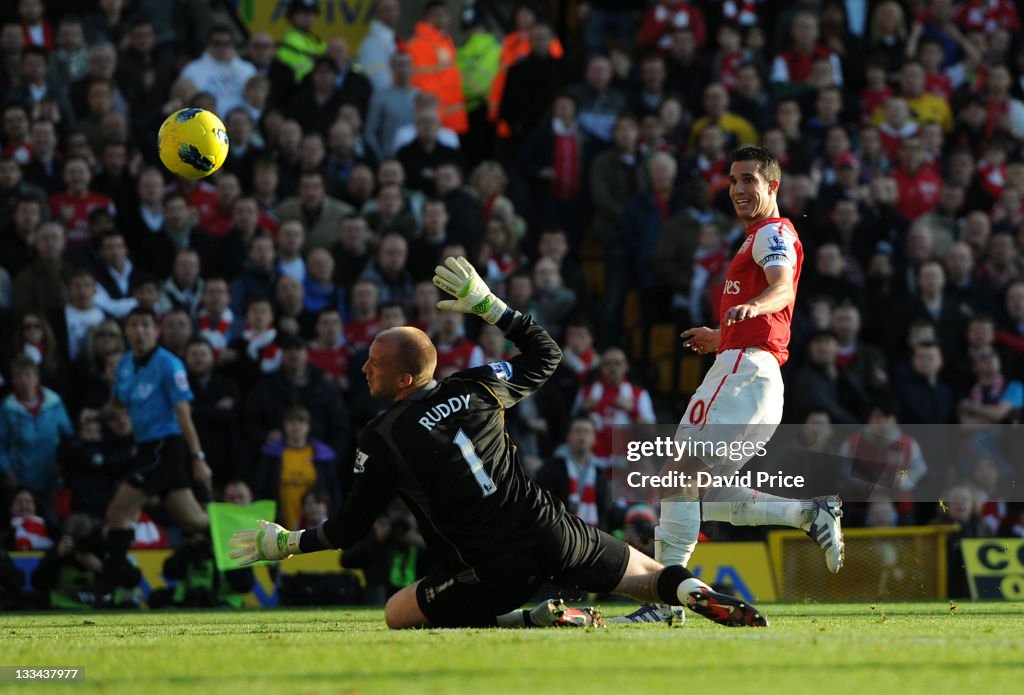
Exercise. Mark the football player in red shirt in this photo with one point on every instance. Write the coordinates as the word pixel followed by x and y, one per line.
pixel 742 392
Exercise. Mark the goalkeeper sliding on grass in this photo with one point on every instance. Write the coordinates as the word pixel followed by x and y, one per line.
pixel 443 448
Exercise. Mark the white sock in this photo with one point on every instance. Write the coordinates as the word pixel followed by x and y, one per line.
pixel 676 535
pixel 686 587
pixel 745 507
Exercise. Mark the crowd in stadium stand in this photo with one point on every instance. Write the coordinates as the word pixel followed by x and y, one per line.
pixel 577 154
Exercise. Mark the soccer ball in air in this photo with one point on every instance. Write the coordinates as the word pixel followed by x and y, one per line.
pixel 193 143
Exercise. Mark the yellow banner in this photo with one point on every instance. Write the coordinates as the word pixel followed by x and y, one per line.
pixel 348 19
pixel 741 567
pixel 995 567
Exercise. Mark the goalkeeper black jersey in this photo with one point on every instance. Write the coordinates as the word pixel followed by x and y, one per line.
pixel 445 451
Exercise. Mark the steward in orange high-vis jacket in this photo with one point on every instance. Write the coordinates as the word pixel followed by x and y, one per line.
pixel 435 69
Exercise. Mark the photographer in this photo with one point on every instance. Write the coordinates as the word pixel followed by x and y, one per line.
pixel 392 556
pixel 70 572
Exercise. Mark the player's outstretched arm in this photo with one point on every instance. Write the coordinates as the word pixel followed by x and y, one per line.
pixel 539 353
pixel 268 542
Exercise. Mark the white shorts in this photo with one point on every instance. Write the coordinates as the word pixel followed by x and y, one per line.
pixel 737 406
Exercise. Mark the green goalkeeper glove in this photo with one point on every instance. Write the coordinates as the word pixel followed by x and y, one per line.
pixel 472 295
pixel 270 542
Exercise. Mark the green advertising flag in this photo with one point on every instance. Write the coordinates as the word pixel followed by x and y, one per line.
pixel 226 518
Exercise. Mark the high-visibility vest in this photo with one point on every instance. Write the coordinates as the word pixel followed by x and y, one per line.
pixel 435 70
pixel 514 48
pixel 478 63
pixel 299 50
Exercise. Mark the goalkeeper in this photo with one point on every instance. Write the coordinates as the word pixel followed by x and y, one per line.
pixel 443 448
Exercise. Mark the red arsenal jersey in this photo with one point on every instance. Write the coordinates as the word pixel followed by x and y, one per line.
pixel 768 242
pixel 73 213
pixel 462 354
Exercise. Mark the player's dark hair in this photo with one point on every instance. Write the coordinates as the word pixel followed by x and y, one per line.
pixel 767 165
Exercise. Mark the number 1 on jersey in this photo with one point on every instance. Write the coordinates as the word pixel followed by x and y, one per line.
pixel 476 466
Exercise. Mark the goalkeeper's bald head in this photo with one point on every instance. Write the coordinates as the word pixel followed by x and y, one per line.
pixel 406 359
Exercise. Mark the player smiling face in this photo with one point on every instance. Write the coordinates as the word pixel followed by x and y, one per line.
pixel 752 194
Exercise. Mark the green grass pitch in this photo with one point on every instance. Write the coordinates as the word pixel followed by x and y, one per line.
pixel 935 648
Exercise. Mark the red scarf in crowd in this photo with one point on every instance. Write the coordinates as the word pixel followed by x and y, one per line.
pixel 216 331
pixel 262 349
pixel 582 490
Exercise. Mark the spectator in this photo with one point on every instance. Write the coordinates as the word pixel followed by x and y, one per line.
pixel 389 270
pixel 114 276
pixel 299 383
pixel 255 351
pixel 72 324
pixel 631 255
pixel 379 46
pixel 613 400
pixel 33 422
pixel 455 352
pixel 668 15
pixel 737 129
pixel 292 316
pixel 28 530
pixel 425 153
pixel 864 360
pixel 97 458
pixel 216 409
pixel 822 385
pixel 993 398
pixel 791 70
pixel 90 379
pixel 936 305
pixel 597 101
pixel 353 86
pixel 220 71
pixel 392 556
pixel 16 237
pixel 258 276
pixel 365 320
pixel 532 82
pixel 184 289
pixel 959 506
pixel 616 174
pixel 34 338
pixel 73 206
pixel 319 213
pixel 175 332
pixel 572 475
pixel 552 300
pixel 464 212
pixel 316 101
pixel 923 398
pixel 434 65
pixel 351 251
pixel 329 352
pixel 215 322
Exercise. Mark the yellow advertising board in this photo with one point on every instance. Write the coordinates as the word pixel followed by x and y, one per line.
pixel 995 567
pixel 744 567
pixel 348 19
